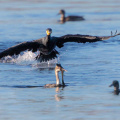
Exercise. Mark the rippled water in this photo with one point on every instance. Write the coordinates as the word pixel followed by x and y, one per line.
pixel 91 66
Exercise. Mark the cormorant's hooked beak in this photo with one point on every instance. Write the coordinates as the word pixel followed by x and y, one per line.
pixel 49 31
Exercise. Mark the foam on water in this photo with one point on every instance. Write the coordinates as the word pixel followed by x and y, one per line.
pixel 27 58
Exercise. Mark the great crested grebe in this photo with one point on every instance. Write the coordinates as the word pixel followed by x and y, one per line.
pixel 46 45
pixel 69 18
pixel 115 83
pixel 58 68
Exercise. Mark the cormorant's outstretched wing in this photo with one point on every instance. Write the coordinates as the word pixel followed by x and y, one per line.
pixel 19 48
pixel 81 38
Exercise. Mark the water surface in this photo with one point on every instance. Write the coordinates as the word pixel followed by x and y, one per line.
pixel 91 66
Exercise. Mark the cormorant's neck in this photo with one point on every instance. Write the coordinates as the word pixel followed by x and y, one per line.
pixel 48 37
pixel 48 40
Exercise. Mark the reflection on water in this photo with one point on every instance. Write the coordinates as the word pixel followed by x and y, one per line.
pixel 59 97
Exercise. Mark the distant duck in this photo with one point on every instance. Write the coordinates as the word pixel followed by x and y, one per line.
pixel 115 83
pixel 69 18
pixel 58 68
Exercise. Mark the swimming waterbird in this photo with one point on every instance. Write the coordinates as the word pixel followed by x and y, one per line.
pixel 69 18
pixel 115 83
pixel 58 68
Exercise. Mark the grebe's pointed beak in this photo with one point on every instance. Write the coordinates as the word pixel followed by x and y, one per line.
pixel 111 85
pixel 64 70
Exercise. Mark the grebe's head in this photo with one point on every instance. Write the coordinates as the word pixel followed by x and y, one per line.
pixel 59 68
pixel 49 31
pixel 62 12
pixel 115 83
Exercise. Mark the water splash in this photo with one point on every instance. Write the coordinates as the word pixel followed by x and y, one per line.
pixel 28 58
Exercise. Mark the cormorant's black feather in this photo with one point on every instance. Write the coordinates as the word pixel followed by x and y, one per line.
pixel 15 50
pixel 81 39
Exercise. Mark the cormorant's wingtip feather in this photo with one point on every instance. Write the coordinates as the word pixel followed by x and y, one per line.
pixel 116 34
pixel 111 33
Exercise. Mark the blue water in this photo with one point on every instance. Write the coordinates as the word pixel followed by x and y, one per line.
pixel 91 67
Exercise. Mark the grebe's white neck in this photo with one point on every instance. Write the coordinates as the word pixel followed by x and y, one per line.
pixel 59 68
pixel 57 77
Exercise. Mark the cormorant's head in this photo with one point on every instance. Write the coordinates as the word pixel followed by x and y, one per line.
pixel 115 83
pixel 49 31
pixel 62 12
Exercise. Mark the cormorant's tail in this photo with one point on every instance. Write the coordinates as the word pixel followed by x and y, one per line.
pixel 44 58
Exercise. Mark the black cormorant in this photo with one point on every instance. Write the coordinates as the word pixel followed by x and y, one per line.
pixel 46 45
pixel 58 68
pixel 69 18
